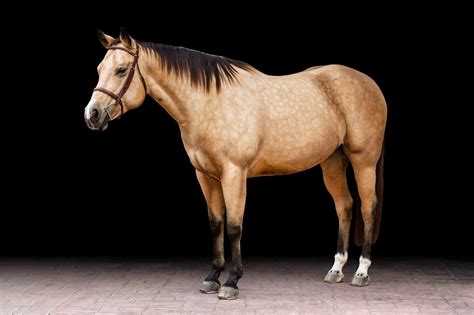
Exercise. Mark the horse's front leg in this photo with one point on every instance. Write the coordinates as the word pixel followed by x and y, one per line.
pixel 234 186
pixel 212 191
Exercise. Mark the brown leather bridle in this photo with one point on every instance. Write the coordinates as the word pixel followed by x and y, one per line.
pixel 126 85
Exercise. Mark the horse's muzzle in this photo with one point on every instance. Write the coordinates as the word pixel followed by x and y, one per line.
pixel 96 119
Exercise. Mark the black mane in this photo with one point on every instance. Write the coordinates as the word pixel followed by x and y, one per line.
pixel 202 69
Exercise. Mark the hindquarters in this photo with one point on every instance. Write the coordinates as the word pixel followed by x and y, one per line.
pixel 365 112
pixel 362 105
pixel 360 102
pixel 358 99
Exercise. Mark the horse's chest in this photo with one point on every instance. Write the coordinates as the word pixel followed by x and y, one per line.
pixel 204 163
pixel 204 153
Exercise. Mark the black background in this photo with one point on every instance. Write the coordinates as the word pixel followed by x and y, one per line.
pixel 131 190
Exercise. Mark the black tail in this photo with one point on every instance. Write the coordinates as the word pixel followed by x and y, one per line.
pixel 359 225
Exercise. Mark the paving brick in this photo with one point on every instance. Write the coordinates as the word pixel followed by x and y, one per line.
pixel 269 286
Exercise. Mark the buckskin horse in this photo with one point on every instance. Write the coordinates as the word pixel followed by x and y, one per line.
pixel 237 122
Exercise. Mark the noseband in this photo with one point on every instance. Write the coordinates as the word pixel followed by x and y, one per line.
pixel 126 85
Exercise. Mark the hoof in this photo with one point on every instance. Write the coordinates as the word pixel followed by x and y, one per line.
pixel 360 280
pixel 334 276
pixel 209 287
pixel 228 293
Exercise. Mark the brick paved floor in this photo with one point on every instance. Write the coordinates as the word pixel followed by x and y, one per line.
pixel 276 285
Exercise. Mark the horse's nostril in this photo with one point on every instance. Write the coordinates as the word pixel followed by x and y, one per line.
pixel 94 114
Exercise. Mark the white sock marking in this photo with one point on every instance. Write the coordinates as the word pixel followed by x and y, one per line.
pixel 339 262
pixel 364 265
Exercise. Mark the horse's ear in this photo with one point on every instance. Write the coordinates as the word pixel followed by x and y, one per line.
pixel 105 39
pixel 126 39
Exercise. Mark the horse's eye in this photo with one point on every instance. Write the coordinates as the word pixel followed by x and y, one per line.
pixel 121 71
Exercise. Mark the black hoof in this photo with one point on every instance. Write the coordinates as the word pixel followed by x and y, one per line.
pixel 209 287
pixel 228 293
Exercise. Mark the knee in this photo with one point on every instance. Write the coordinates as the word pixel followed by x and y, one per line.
pixel 234 231
pixel 216 226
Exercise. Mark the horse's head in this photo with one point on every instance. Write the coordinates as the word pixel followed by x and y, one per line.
pixel 121 86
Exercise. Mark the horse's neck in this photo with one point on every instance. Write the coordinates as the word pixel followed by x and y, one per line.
pixel 173 93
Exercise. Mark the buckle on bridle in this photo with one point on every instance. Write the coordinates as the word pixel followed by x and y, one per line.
pixel 108 109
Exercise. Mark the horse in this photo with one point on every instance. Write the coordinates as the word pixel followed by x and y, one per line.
pixel 237 122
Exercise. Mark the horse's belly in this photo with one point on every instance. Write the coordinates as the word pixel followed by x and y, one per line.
pixel 286 156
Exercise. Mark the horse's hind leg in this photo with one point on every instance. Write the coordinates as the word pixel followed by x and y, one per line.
pixel 365 175
pixel 334 174
pixel 212 191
